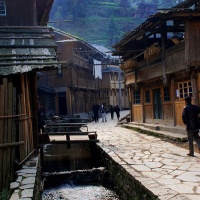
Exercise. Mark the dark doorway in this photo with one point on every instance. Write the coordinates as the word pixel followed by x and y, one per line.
pixel 62 103
pixel 157 104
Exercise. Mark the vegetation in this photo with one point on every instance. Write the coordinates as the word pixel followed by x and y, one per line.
pixel 101 21
pixel 5 195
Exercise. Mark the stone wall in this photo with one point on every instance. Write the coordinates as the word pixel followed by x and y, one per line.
pixel 125 179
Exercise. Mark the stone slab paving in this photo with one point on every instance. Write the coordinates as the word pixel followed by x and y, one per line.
pixel 161 167
pixel 23 187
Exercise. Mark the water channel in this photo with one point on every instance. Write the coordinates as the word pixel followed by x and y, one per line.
pixel 75 172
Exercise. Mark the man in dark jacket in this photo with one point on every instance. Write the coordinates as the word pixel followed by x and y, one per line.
pixel 95 109
pixel 190 119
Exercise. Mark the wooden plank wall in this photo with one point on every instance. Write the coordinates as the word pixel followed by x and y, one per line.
pixel 16 134
pixel 148 108
pixel 167 111
pixel 137 113
pixel 179 105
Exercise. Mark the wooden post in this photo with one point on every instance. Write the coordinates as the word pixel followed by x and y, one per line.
pixel 195 98
pixel 1 134
pixel 142 102
pixel 173 97
pixel 34 107
pixel 67 137
pixel 163 40
pixel 10 127
pixel 131 102
pixel 29 114
pixel 14 129
pixel 5 136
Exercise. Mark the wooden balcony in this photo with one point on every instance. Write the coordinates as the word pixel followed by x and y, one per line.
pixel 80 61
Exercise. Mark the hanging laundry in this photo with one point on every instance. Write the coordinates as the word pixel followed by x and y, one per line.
pixel 97 69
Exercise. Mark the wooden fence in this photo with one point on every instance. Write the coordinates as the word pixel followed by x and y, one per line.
pixel 16 133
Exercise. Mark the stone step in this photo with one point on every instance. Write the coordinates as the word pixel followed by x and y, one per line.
pixel 161 127
pixel 171 132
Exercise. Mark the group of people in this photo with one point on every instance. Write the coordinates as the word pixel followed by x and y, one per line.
pixel 104 110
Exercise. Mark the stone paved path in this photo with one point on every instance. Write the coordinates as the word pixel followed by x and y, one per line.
pixel 162 167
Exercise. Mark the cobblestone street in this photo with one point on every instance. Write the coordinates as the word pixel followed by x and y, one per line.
pixel 161 167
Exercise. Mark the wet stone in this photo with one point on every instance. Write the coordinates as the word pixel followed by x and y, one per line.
pixel 14 185
pixel 28 186
pixel 19 179
pixel 15 196
pixel 28 180
pixel 27 193
pixel 28 171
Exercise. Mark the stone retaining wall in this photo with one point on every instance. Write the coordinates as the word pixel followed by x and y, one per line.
pixel 125 179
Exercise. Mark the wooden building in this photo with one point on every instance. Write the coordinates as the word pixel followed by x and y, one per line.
pixel 73 88
pixel 161 64
pixel 25 48
pixel 112 89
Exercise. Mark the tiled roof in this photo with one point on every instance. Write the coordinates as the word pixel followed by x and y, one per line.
pixel 24 49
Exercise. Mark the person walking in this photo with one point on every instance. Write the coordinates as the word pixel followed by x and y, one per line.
pixel 95 109
pixel 190 119
pixel 41 122
pixel 103 112
pixel 117 111
pixel 112 112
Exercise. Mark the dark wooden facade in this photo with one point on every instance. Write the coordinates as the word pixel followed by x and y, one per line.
pixel 74 86
pixel 161 63
pixel 25 48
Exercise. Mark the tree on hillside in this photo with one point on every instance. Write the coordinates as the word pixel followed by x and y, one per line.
pixel 72 4
pixel 124 3
pixel 80 9
pixel 112 31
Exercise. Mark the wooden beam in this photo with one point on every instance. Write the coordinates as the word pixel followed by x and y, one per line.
pixel 13 144
pixel 12 116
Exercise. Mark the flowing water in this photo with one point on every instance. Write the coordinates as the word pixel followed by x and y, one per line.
pixel 82 192
pixel 75 173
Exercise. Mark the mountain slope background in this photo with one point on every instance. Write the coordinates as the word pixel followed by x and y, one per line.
pixel 103 22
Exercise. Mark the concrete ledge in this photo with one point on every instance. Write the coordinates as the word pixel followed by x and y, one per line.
pixel 161 127
pixel 174 133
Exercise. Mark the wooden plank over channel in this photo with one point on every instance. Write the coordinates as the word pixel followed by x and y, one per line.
pixel 1 133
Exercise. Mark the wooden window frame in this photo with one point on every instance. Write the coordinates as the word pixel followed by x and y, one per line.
pixel 184 89
pixel 166 94
pixel 136 97
pixel 147 96
pixel 2 8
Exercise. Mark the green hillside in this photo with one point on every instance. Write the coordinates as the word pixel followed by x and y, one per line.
pixel 101 21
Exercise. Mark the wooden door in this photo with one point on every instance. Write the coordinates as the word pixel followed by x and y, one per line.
pixel 62 103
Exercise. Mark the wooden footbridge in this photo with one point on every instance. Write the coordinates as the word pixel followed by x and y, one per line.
pixel 67 133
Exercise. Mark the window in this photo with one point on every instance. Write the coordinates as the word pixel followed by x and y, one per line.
pixel 185 89
pixel 147 96
pixel 136 97
pixel 2 8
pixel 166 94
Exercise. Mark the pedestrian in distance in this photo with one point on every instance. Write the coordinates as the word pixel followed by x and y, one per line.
pixel 117 111
pixel 190 117
pixel 95 109
pixel 112 112
pixel 103 112
pixel 41 116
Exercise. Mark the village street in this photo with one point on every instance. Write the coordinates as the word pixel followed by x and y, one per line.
pixel 161 167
